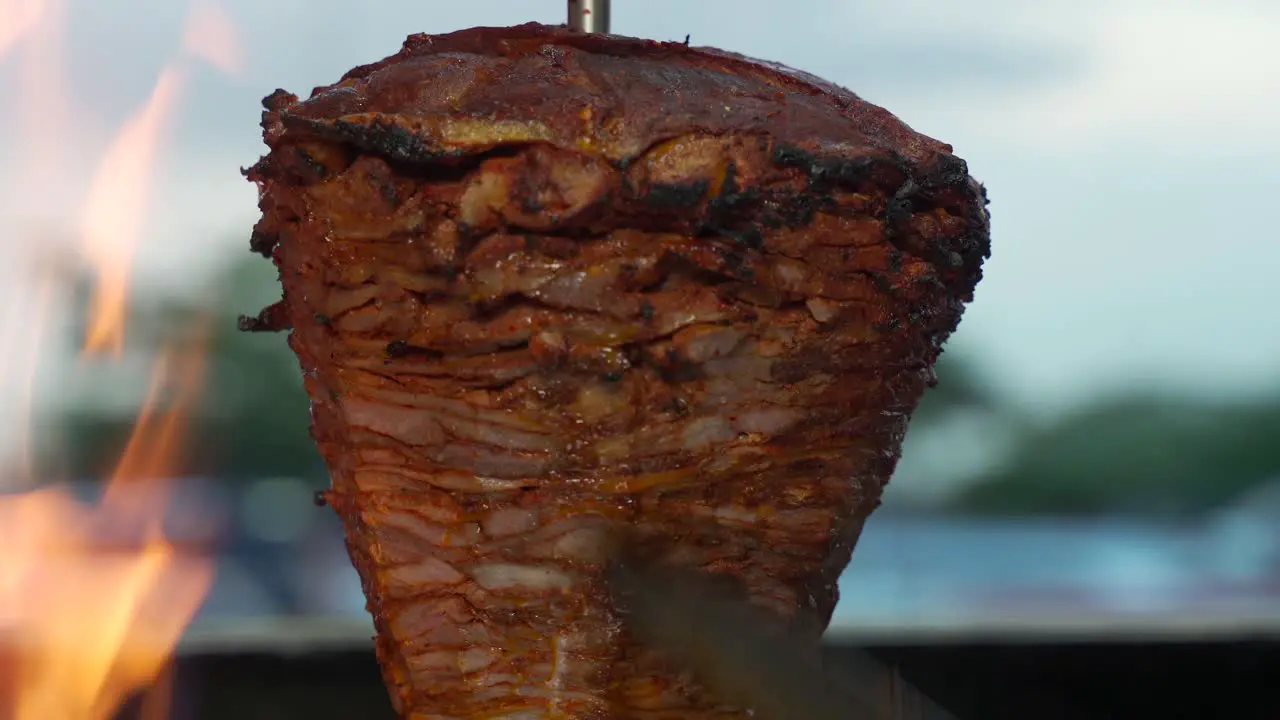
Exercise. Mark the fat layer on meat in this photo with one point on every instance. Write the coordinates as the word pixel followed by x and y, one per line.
pixel 546 286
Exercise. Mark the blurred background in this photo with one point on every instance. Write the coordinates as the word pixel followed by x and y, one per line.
pixel 1101 456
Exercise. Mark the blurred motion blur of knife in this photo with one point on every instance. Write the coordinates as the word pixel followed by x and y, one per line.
pixel 740 653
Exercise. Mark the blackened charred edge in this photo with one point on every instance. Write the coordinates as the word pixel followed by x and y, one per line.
pixel 263 243
pixel 946 171
pixel 748 237
pixel 734 262
pixel 307 167
pixel 881 282
pixel 278 100
pixel 878 170
pixel 944 182
pixel 729 186
pixel 731 204
pixel 668 196
pixel 381 136
pixel 884 170
pixel 246 323
pixel 258 171
pixel 790 156
pixel 398 349
pixel 273 318
pixel 797 211
pixel 402 349
pixel 888 325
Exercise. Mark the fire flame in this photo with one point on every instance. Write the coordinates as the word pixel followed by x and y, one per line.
pixel 115 211
pixel 85 622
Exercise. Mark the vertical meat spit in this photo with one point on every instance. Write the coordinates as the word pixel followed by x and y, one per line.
pixel 546 281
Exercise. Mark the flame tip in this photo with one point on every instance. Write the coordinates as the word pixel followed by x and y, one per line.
pixel 97 623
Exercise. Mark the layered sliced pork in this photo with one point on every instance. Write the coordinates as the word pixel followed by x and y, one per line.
pixel 554 292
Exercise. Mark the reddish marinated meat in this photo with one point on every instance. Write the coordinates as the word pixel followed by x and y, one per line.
pixel 546 285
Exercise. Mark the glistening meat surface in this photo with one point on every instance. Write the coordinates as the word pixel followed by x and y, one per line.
pixel 549 287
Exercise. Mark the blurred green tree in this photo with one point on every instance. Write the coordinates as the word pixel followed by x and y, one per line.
pixel 252 418
pixel 1148 455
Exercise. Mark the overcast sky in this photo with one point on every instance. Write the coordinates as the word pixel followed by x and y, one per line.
pixel 1130 148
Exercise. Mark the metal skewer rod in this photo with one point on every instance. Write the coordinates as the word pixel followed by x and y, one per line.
pixel 591 16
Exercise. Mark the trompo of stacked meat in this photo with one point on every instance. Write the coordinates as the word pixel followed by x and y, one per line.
pixel 547 285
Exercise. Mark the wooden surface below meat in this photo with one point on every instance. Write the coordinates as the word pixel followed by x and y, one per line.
pixel 551 291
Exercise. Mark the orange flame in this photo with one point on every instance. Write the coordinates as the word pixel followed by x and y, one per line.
pixel 114 213
pixel 93 625
pixel 90 622
pixel 118 198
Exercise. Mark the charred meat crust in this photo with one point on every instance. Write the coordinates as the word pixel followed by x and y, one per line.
pixel 544 285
